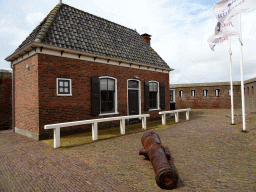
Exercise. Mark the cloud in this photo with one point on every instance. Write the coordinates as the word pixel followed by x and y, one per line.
pixel 35 18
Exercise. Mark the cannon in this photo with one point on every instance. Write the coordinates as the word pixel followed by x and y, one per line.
pixel 165 174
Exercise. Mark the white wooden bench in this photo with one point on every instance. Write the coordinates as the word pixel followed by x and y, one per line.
pixel 176 112
pixel 94 122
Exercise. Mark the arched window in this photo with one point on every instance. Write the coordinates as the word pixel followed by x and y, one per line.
pixel 108 98
pixel 193 93
pixel 217 92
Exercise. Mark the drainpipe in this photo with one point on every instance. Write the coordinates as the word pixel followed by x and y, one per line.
pixel 13 126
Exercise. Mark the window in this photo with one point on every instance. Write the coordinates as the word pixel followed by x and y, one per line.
pixel 181 93
pixel 64 87
pixel 217 92
pixel 205 92
pixel 193 93
pixel 229 92
pixel 171 95
pixel 153 95
pixel 107 95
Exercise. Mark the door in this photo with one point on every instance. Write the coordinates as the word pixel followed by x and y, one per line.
pixel 133 100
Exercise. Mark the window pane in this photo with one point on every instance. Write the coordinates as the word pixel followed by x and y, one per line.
pixel 155 87
pixel 60 83
pixel 133 84
pixel 107 101
pixel 153 99
pixel 66 90
pixel 171 95
pixel 151 88
pixel 61 90
pixel 103 84
pixel 65 84
pixel 111 84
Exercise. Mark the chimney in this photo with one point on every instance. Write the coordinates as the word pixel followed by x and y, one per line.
pixel 60 1
pixel 146 37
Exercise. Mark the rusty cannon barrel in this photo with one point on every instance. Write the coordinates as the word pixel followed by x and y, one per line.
pixel 166 175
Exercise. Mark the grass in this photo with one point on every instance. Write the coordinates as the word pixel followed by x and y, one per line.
pixel 86 137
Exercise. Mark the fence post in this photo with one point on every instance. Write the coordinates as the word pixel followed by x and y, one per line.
pixel 164 119
pixel 94 131
pixel 56 137
pixel 187 115
pixel 122 126
pixel 144 123
pixel 176 117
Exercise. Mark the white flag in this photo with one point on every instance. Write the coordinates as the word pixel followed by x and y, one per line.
pixel 226 9
pixel 223 31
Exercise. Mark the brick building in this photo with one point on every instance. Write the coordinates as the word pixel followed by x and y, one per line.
pixel 206 95
pixel 77 66
pixel 250 94
pixel 5 99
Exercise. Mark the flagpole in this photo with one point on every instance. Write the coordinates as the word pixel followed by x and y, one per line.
pixel 231 84
pixel 242 76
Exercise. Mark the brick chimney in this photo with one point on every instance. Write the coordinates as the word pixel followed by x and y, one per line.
pixel 146 37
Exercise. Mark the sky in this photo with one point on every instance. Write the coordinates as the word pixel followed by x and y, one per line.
pixel 179 29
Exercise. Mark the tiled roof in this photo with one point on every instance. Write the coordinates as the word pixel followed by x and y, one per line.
pixel 70 28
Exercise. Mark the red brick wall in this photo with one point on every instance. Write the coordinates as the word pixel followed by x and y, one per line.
pixel 250 96
pixel 5 102
pixel 56 109
pixel 210 101
pixel 26 95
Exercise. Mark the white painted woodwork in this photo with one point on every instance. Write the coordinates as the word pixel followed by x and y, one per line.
pixel 176 112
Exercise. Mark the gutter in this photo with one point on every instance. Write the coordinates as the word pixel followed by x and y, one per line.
pixel 13 126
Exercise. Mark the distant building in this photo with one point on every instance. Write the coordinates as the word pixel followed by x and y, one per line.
pixel 5 99
pixel 250 94
pixel 206 95
pixel 213 95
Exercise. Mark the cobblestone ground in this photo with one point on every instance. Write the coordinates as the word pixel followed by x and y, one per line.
pixel 29 165
pixel 208 153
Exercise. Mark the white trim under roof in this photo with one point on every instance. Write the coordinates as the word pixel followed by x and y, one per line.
pixel 35 48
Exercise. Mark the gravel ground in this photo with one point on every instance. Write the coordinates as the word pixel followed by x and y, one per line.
pixel 208 153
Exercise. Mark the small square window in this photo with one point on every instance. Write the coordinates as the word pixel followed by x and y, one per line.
pixel 63 87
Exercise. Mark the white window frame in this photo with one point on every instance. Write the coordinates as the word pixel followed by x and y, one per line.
pixel 139 89
pixel 57 86
pixel 157 97
pixel 116 110
pixel 173 96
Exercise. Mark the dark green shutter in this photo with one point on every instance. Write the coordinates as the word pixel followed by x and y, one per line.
pixel 146 95
pixel 162 95
pixel 95 95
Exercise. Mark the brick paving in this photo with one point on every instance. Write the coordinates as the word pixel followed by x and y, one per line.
pixel 208 153
pixel 29 165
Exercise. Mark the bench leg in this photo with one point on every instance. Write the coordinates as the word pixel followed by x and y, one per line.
pixel 144 123
pixel 163 119
pixel 187 115
pixel 56 137
pixel 122 126
pixel 95 131
pixel 176 117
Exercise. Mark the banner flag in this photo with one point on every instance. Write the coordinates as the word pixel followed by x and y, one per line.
pixel 226 9
pixel 223 31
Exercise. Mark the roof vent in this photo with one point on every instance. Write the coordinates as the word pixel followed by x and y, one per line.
pixel 146 37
